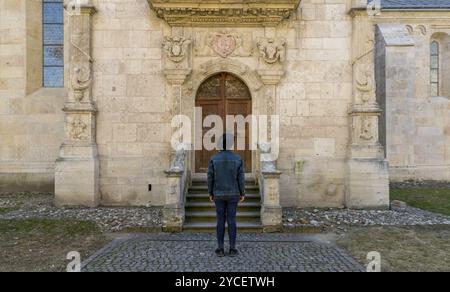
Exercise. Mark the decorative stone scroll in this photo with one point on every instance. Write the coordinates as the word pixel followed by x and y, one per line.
pixel 224 13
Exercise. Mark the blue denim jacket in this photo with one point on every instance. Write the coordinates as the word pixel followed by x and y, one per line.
pixel 226 176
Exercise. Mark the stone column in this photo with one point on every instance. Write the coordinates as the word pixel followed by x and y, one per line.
pixel 77 168
pixel 368 178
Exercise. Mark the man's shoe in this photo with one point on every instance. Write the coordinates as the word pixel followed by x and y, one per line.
pixel 233 252
pixel 220 252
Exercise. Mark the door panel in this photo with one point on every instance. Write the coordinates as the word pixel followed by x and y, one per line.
pixel 209 107
pixel 222 95
pixel 243 108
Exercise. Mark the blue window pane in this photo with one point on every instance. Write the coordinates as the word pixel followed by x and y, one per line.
pixel 53 56
pixel 53 34
pixel 53 13
pixel 53 40
pixel 434 48
pixel 53 76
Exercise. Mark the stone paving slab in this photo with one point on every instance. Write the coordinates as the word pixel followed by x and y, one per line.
pixel 186 252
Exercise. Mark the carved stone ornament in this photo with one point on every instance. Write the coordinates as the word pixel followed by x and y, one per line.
pixel 204 43
pixel 221 13
pixel 224 43
pixel 81 62
pixel 366 129
pixel 418 30
pixel 81 80
pixel 365 82
pixel 77 129
pixel 176 48
pixel 272 50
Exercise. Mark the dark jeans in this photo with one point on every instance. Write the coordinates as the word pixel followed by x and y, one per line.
pixel 226 212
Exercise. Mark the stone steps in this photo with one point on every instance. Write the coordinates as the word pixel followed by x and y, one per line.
pixel 200 213
pixel 210 227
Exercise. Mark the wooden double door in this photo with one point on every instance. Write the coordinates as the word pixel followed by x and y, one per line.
pixel 223 95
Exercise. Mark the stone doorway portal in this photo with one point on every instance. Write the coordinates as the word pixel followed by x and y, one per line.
pixel 224 94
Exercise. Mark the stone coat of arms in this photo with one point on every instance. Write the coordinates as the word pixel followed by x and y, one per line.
pixel 224 43
pixel 272 50
pixel 176 48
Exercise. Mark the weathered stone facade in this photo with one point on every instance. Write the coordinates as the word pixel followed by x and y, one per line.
pixel 352 92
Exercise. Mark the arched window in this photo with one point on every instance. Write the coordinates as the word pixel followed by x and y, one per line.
pixel 53 41
pixel 435 69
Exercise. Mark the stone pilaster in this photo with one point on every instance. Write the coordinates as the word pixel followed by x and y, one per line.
pixel 368 178
pixel 272 56
pixel 177 68
pixel 77 168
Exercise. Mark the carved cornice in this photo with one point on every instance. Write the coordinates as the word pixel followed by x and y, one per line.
pixel 224 13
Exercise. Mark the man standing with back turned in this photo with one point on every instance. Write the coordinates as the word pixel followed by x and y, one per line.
pixel 226 186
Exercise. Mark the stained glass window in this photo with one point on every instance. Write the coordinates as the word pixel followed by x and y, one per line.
pixel 53 41
pixel 435 69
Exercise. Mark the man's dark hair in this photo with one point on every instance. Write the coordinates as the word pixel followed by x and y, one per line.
pixel 226 142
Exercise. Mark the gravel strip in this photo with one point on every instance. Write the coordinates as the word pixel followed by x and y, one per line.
pixel 109 219
pixel 411 184
pixel 114 219
pixel 343 218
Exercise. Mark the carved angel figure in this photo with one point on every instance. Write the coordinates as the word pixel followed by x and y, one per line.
pixel 272 50
pixel 176 48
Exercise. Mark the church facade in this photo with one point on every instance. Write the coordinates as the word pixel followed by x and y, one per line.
pixel 89 91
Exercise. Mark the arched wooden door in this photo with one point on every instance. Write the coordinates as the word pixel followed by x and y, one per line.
pixel 224 94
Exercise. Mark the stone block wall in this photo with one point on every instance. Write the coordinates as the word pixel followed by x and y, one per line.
pixel 31 120
pixel 314 100
pixel 133 98
pixel 133 123
pixel 135 102
pixel 418 141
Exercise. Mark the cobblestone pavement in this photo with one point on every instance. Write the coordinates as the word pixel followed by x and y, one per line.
pixel 195 253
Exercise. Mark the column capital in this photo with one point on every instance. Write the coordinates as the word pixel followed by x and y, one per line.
pixel 177 76
pixel 80 7
pixel 270 77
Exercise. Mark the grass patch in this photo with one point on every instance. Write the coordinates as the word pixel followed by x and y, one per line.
pixel 433 200
pixel 42 244
pixel 402 249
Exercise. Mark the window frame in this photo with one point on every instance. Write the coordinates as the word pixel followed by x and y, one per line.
pixel 435 88
pixel 44 45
